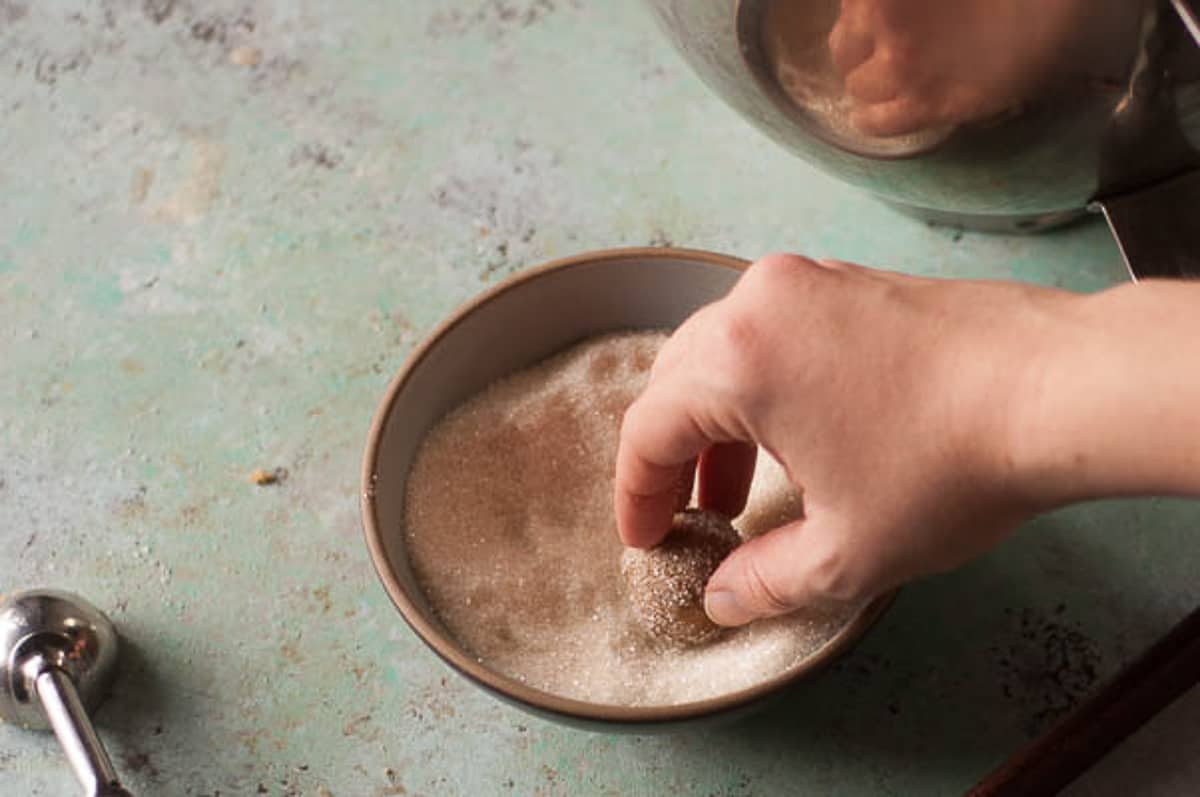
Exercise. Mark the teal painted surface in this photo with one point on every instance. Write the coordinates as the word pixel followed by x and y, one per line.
pixel 225 225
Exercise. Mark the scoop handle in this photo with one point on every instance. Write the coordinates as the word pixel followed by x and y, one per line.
pixel 1191 17
pixel 82 747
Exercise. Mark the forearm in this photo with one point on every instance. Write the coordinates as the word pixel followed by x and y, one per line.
pixel 1110 404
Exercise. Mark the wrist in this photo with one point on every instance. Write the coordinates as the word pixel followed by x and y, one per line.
pixel 1043 452
pixel 1041 457
pixel 1107 404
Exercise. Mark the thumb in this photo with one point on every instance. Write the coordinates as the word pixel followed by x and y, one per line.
pixel 789 567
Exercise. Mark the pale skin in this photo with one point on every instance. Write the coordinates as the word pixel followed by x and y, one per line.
pixel 915 64
pixel 923 420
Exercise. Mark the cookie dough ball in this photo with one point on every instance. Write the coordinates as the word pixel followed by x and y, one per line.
pixel 666 583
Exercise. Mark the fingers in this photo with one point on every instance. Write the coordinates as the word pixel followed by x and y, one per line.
pixel 873 82
pixel 716 364
pixel 895 117
pixel 792 566
pixel 882 76
pixel 685 485
pixel 726 471
pixel 849 47
pixel 659 441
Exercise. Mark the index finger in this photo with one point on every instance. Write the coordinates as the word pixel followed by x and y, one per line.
pixel 659 438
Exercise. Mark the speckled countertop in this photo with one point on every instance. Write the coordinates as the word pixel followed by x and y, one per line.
pixel 222 227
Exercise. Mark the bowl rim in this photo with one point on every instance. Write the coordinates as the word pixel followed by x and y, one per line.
pixel 451 652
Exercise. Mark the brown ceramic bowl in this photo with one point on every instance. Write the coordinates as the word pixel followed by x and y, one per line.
pixel 515 324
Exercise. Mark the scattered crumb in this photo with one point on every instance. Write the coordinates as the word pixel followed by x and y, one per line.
pixel 394 787
pixel 265 477
pixel 139 185
pixel 245 56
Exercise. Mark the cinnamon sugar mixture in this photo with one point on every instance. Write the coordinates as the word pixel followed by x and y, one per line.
pixel 510 529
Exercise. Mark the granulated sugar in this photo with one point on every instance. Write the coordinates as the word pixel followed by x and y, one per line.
pixel 510 529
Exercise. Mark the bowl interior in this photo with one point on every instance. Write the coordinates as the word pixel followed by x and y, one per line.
pixel 515 325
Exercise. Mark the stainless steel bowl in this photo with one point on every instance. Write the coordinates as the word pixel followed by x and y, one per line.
pixel 1021 114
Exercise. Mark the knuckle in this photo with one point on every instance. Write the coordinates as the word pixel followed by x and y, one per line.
pixel 776 266
pixel 738 333
pixel 762 591
pixel 684 344
pixel 838 34
pixel 774 276
pixel 901 58
pixel 629 420
pixel 890 119
pixel 738 350
pixel 833 576
pixel 635 426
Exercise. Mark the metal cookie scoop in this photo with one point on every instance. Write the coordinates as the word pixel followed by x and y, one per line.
pixel 58 659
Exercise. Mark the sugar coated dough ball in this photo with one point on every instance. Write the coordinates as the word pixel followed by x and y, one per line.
pixel 666 583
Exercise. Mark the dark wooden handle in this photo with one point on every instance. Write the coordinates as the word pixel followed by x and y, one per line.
pixel 1145 687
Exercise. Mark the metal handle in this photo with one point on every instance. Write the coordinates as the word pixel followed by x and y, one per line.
pixel 58 654
pixel 1158 228
pixel 1157 225
pixel 1190 17
pixel 69 720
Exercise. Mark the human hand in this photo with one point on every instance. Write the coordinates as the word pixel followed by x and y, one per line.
pixel 912 65
pixel 888 400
